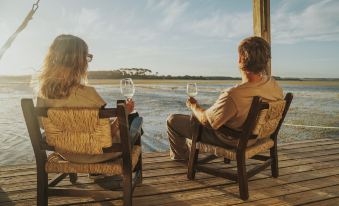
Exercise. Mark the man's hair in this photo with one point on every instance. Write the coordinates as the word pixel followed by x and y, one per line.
pixel 254 54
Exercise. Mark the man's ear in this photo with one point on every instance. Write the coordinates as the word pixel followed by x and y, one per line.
pixel 240 58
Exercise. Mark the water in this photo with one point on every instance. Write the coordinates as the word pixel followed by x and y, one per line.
pixel 312 105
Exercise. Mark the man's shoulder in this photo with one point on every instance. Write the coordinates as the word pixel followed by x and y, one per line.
pixel 267 82
pixel 236 90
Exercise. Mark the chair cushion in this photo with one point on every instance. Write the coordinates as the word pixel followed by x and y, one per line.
pixel 56 164
pixel 77 130
pixel 269 119
pixel 260 146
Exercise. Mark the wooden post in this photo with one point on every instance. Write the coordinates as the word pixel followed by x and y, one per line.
pixel 262 23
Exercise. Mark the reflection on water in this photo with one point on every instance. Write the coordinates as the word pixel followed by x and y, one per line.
pixel 312 105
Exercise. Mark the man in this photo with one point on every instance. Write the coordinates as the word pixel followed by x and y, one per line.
pixel 232 106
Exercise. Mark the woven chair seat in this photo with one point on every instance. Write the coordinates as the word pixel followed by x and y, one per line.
pixel 56 164
pixel 230 153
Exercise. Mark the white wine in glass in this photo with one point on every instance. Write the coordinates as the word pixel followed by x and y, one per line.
pixel 127 88
pixel 192 89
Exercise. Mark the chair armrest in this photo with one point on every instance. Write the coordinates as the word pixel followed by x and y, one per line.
pixel 135 129
pixel 107 113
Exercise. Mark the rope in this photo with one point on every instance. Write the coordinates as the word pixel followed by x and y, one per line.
pixel 310 126
pixel 23 25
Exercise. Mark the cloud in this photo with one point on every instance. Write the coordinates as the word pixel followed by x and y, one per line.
pixel 315 22
pixel 171 10
pixel 225 26
pixel 117 26
pixel 86 21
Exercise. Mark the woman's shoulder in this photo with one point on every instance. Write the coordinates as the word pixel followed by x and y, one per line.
pixel 89 93
pixel 85 89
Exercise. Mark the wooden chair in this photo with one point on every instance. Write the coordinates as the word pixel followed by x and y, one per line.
pixel 130 148
pixel 263 123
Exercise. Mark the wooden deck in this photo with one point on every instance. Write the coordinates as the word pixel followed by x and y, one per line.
pixel 309 175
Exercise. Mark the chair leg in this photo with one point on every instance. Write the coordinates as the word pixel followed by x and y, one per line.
pixel 73 177
pixel 192 163
pixel 139 168
pixel 127 185
pixel 274 163
pixel 42 188
pixel 242 178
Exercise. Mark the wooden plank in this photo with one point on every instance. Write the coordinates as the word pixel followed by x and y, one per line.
pixel 146 190
pixel 205 183
pixel 228 194
pixel 282 158
pixel 321 156
pixel 181 178
pixel 148 155
pixel 314 196
pixel 317 151
pixel 282 200
pixel 306 144
pixel 301 183
pixel 262 23
pixel 164 155
pixel 332 201
pixel 305 141
pixel 261 19
pixel 298 164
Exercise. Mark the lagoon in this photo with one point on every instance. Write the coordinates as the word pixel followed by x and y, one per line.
pixel 314 104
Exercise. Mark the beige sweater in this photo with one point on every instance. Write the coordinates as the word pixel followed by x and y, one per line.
pixel 232 106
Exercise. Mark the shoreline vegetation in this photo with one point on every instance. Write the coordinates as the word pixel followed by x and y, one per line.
pixel 144 76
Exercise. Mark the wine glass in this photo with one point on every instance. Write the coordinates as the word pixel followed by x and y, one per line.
pixel 127 88
pixel 192 89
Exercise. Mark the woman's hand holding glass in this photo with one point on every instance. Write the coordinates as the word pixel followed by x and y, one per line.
pixel 130 106
pixel 127 90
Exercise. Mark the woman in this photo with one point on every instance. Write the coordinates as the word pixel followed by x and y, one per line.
pixel 63 84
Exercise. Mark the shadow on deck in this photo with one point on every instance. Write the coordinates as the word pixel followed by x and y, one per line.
pixel 309 175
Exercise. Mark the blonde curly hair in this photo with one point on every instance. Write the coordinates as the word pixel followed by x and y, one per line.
pixel 64 67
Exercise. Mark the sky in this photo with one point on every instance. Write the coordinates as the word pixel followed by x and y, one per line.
pixel 175 37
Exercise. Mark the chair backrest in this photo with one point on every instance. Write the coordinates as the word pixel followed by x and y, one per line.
pixel 268 119
pixel 265 118
pixel 75 130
